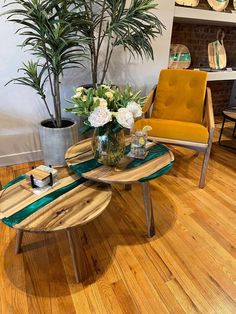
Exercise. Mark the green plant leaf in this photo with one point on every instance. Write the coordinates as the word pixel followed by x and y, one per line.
pixel 51 31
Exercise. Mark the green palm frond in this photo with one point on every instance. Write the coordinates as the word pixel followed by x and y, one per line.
pixel 60 33
pixel 51 33
pixel 51 29
pixel 128 23
pixel 34 76
pixel 136 26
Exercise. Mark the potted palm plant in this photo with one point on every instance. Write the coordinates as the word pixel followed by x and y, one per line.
pixel 112 23
pixel 51 33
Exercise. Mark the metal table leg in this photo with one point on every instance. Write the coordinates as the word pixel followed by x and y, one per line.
pixel 76 249
pixel 19 238
pixel 148 209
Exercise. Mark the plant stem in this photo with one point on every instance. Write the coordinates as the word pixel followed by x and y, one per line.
pixel 51 86
pixel 93 71
pixel 92 45
pixel 50 114
pixel 100 39
pixel 50 79
pixel 107 59
pixel 57 104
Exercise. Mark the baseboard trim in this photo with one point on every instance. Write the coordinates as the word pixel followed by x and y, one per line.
pixel 19 158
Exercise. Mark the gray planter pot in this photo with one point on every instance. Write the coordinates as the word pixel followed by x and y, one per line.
pixel 56 141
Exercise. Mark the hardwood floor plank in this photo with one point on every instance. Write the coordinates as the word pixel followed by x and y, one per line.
pixel 124 298
pixel 217 230
pixel 184 277
pixel 13 300
pixel 188 267
pixel 76 291
pixel 182 297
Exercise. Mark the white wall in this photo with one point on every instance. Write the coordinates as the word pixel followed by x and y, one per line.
pixel 144 74
pixel 20 108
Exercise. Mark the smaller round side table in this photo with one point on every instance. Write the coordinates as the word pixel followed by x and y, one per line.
pixel 71 203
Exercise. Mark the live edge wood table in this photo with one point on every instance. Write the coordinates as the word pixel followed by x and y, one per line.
pixel 71 203
pixel 158 162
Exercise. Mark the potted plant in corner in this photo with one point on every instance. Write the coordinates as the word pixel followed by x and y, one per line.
pixel 131 24
pixel 51 34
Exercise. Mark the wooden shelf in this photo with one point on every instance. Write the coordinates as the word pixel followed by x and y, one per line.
pixel 193 15
pixel 221 76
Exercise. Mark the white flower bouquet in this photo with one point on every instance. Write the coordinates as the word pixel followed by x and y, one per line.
pixel 107 106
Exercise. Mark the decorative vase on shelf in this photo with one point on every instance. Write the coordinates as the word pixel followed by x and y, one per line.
pixel 108 146
pixel 180 57
pixel 188 3
pixel 216 52
pixel 218 5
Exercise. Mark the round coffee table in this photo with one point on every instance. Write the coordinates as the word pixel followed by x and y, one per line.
pixel 159 161
pixel 72 202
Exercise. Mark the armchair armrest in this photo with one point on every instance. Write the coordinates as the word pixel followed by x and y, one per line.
pixel 149 102
pixel 209 114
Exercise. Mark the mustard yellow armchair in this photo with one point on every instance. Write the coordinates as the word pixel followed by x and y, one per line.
pixel 182 112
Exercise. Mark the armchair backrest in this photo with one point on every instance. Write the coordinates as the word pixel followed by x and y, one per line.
pixel 180 95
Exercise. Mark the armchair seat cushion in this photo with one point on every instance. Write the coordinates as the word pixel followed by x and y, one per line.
pixel 176 130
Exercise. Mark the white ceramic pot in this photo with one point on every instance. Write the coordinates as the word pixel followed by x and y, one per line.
pixel 56 141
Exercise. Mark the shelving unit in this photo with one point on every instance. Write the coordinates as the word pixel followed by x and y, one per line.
pixel 203 16
pixel 221 76
pixel 193 15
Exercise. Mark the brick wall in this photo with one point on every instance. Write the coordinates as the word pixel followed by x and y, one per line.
pixel 197 37
pixel 221 92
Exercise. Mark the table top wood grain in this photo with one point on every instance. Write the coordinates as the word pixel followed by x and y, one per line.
pixel 230 113
pixel 78 206
pixel 81 153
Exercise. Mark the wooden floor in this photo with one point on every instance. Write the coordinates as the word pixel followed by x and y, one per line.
pixel 188 267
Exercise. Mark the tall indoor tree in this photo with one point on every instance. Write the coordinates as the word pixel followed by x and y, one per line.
pixel 112 23
pixel 51 31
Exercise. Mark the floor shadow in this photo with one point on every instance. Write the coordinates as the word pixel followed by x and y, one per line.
pixel 127 209
pixel 224 155
pixel 230 144
pixel 165 211
pixel 44 268
pixel 184 158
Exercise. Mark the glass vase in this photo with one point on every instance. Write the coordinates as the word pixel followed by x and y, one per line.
pixel 108 146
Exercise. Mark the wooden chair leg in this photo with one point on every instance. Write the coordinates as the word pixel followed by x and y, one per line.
pixel 202 182
pixel 76 248
pixel 206 159
pixel 19 238
pixel 148 209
